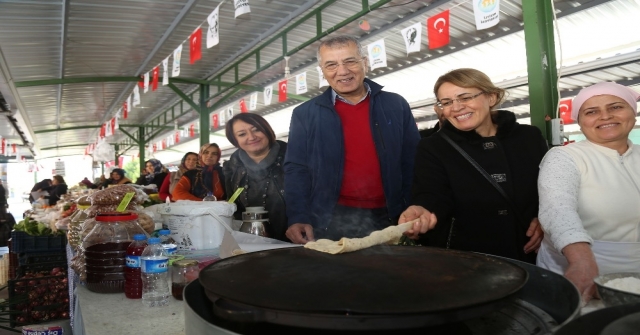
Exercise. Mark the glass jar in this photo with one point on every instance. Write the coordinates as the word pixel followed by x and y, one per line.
pixel 105 249
pixel 183 272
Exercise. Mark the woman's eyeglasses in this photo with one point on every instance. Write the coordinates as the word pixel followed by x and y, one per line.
pixel 463 99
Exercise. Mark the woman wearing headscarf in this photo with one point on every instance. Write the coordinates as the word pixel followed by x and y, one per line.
pixel 155 173
pixel 590 191
pixel 189 162
pixel 57 189
pixel 197 184
pixel 491 208
pixel 118 177
pixel 257 167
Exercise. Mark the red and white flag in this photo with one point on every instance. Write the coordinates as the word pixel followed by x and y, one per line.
pixel 177 137
pixel 195 45
pixel 103 130
pixel 154 81
pixel 243 106
pixel 120 161
pixel 565 111
pixel 145 85
pixel 164 144
pixel 282 91
pixel 14 148
pixel 114 123
pixel 192 132
pixel 125 109
pixel 214 121
pixel 438 30
pixel 155 148
pixel 108 130
pixel 486 13
pixel 3 146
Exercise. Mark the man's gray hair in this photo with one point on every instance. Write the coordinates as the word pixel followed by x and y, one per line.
pixel 340 41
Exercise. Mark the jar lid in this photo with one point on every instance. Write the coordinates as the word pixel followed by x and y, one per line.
pixel 185 263
pixel 115 216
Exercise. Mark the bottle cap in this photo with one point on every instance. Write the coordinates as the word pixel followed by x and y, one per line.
pixel 154 240
pixel 164 232
pixel 139 237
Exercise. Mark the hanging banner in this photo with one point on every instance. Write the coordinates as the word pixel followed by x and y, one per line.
pixel 125 110
pixel 377 54
pixel 192 131
pixel 301 83
pixel 195 46
pixel 129 105
pixel 177 53
pixel 145 85
pixel 154 78
pixel 243 106
pixel 221 117
pixel 214 121
pixel 266 94
pixel 322 81
pixel 108 130
pixel 177 137
pixel 136 96
pixel 282 91
pixel 438 30
pixel 213 33
pixel 229 113
pixel 253 101
pixel 242 7
pixel 165 71
pixel 487 13
pixel 412 37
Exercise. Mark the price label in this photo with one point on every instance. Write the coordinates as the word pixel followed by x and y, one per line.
pixel 235 195
pixel 125 201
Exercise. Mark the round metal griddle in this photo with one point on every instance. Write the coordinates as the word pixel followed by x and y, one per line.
pixel 384 287
pixel 607 321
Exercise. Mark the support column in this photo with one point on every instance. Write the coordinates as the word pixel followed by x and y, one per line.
pixel 541 62
pixel 205 124
pixel 141 145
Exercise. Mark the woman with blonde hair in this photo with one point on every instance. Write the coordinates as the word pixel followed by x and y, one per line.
pixel 209 180
pixel 475 180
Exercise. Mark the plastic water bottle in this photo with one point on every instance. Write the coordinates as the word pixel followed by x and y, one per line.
pixel 132 276
pixel 167 241
pixel 155 274
pixel 210 197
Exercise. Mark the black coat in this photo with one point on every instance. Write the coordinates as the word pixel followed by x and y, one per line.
pixel 472 215
pixel 55 193
pixel 236 176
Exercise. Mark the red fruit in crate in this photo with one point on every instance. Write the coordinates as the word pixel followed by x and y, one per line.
pixel 56 271
pixel 64 315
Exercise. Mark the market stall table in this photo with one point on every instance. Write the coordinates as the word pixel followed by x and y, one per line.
pixel 98 314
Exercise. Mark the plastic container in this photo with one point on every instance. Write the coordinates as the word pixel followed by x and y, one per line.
pixel 182 273
pixel 23 242
pixel 133 279
pixel 155 274
pixel 105 249
pixel 167 241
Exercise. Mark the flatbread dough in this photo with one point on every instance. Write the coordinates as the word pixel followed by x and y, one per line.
pixel 389 235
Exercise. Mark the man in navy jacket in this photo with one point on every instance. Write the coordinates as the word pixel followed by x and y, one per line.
pixel 349 161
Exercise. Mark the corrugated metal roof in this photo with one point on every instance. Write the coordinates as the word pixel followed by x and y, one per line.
pixel 128 38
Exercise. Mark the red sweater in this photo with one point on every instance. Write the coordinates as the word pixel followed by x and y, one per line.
pixel 361 180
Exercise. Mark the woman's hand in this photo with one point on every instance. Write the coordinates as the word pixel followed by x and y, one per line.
pixel 582 269
pixel 536 234
pixel 427 221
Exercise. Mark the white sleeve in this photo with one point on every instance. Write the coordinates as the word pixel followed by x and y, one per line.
pixel 558 185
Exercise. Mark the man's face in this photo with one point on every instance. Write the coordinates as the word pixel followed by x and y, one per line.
pixel 346 80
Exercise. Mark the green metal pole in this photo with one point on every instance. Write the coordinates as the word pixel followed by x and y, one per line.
pixel 541 62
pixel 204 115
pixel 141 144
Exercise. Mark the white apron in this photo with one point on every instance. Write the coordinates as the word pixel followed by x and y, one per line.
pixel 610 257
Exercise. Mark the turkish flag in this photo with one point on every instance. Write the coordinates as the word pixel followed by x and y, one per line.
pixel 438 30
pixel 565 111
pixel 125 110
pixel 13 148
pixel 215 120
pixel 282 91
pixel 192 132
pixel 195 45
pixel 164 144
pixel 243 106
pixel 177 137
pixel 103 131
pixel 3 147
pixel 154 81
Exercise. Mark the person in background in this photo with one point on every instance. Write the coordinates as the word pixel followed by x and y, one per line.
pixel 155 173
pixel 3 196
pixel 197 184
pixel 189 162
pixel 143 177
pixel 350 153
pixel 57 189
pixel 86 182
pixel 257 166
pixel 39 186
pixel 118 177
pixel 7 221
pixel 590 191
pixel 471 214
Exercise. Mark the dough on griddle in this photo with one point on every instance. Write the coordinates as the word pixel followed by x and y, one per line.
pixel 389 235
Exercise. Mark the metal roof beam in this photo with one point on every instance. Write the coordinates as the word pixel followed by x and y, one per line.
pixel 64 129
pixel 75 80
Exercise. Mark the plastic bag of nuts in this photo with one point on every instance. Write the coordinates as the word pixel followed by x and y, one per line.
pixel 111 196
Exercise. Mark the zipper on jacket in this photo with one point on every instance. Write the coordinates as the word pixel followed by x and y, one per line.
pixel 380 134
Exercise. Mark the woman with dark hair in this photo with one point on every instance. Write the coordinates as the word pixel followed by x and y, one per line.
pixel 189 162
pixel 257 167
pixel 155 173
pixel 57 189
pixel 118 177
pixel 39 186
pixel 197 184
pixel 477 177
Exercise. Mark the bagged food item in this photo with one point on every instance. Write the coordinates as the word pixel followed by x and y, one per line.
pixel 75 228
pixel 111 196
pixel 97 209
pixel 146 222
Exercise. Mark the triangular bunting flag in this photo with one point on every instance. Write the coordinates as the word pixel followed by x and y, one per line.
pixel 195 45
pixel 301 83
pixel 282 91
pixel 242 7
pixel 267 94
pixel 154 81
pixel 165 71
pixel 243 106
pixel 253 101
pixel 486 13
pixel 438 30
pixel 412 36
